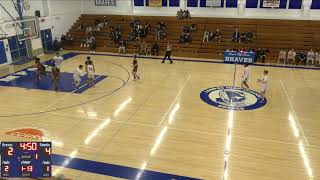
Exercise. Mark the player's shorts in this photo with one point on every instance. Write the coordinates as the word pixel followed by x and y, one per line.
pixel 244 80
pixel 90 76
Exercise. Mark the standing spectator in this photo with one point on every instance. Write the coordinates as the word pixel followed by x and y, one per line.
pixel 291 56
pixel 236 36
pixel 282 56
pixel 310 57
pixel 217 35
pixel 155 49
pixel 249 36
pixel 122 47
pixel 168 53
pixel 205 36
pixel 56 44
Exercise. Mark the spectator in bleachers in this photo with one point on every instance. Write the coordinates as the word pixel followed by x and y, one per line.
pixel 243 37
pixel 185 38
pixel 282 56
pixel 291 56
pixel 217 35
pixel 249 37
pixel 205 36
pixel 147 27
pixel 161 30
pixel 149 46
pixel 317 58
pixel 105 21
pixel 301 57
pixel 92 45
pixel 180 14
pixel 143 48
pixel 80 27
pixel 236 36
pixel 122 47
pixel 186 14
pixel 155 49
pixel 310 57
pixel 211 36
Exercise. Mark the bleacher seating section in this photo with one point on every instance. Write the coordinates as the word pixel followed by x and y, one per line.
pixel 268 33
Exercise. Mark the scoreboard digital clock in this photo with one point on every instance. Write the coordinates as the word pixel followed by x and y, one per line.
pixel 25 159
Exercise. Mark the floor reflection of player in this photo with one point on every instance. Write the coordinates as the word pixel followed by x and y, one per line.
pixel 55 76
pixel 264 84
pixel 245 76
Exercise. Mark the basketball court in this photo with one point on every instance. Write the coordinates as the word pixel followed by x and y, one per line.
pixel 160 128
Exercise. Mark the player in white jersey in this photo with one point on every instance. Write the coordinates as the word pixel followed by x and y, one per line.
pixel 90 71
pixel 77 76
pixel 245 76
pixel 264 84
pixel 57 60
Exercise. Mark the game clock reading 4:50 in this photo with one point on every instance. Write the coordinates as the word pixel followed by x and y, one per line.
pixel 26 159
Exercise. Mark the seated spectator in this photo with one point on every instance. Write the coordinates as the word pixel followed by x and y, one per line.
pixel 242 49
pixel 147 27
pixel 317 59
pixel 80 27
pixel 217 35
pixel 262 54
pixel 122 47
pixel 301 57
pixel 186 14
pixel 310 57
pixel 211 36
pixel 149 46
pixel 282 56
pixel 291 56
pixel 205 36
pixel 249 37
pixel 236 36
pixel 180 14
pixel 155 49
pixel 161 30
pixel 185 38
pixel 105 21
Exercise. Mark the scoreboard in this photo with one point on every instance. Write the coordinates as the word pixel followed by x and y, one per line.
pixel 25 159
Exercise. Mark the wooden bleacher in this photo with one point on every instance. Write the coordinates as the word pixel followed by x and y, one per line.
pixel 271 34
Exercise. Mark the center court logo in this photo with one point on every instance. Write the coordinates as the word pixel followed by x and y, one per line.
pixel 236 98
pixel 30 133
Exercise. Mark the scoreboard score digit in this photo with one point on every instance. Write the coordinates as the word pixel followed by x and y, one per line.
pixel 25 159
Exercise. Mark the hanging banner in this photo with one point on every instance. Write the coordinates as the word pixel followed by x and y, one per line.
pixel 105 2
pixel 271 3
pixel 155 3
pixel 213 3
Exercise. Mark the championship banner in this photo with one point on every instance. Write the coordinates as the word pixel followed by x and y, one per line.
pixel 155 3
pixel 239 57
pixel 105 2
pixel 213 3
pixel 271 3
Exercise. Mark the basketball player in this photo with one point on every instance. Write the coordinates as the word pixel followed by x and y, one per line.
pixel 135 67
pixel 87 63
pixel 57 60
pixel 41 70
pixel 90 71
pixel 245 76
pixel 264 84
pixel 77 76
pixel 55 76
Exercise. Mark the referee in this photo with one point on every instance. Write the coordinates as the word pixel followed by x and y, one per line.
pixel 168 53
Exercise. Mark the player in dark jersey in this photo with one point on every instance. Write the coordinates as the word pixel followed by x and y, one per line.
pixel 135 67
pixel 41 70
